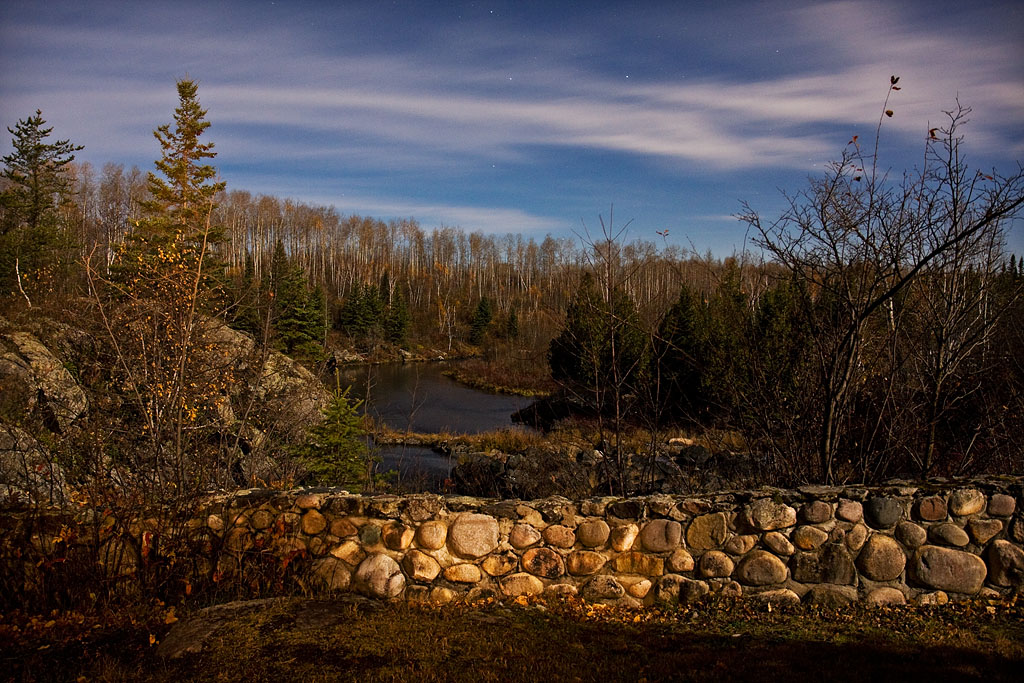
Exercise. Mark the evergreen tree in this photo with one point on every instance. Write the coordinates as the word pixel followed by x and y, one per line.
pixel 396 324
pixel 481 321
pixel 37 184
pixel 725 349
pixel 182 196
pixel 299 319
pixel 362 312
pixel 677 353
pixel 336 453
pixel 575 355
pixel 175 240
pixel 316 318
pixel 250 311
pixel 512 324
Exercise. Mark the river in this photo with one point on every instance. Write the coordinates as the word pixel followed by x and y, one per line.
pixel 417 397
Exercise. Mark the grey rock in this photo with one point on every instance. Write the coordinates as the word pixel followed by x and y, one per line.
pixel 473 535
pixel 1005 564
pixel 47 384
pixel 883 513
pixel 28 472
pixel 950 570
pixel 603 588
pixel 379 576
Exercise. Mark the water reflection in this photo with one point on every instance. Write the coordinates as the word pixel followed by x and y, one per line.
pixel 417 397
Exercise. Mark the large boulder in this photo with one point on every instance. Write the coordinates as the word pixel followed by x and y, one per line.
pixel 379 576
pixel 28 473
pixel 32 376
pixel 1006 564
pixel 282 387
pixel 882 558
pixel 473 535
pixel 950 570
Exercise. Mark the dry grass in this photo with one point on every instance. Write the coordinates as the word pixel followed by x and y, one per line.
pixel 519 377
pixel 323 640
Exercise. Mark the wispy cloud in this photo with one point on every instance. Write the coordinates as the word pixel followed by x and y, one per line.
pixel 360 94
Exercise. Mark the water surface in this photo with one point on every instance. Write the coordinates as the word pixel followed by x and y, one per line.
pixel 417 397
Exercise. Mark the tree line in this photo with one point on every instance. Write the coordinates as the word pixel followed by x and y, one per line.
pixel 882 337
pixel 876 331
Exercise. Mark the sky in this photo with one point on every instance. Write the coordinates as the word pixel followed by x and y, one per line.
pixel 525 117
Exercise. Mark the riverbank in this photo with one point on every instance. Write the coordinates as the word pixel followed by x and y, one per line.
pixel 517 378
pixel 503 440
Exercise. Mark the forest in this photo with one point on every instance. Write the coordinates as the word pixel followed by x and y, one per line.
pixel 874 330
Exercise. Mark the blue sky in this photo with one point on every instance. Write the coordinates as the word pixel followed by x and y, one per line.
pixel 524 116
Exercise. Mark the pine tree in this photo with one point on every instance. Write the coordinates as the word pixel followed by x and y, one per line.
pixel 677 353
pixel 182 200
pixel 336 452
pixel 299 320
pixel 176 239
pixel 396 324
pixel 362 313
pixel 250 311
pixel 37 184
pixel 512 324
pixel 481 321
pixel 575 354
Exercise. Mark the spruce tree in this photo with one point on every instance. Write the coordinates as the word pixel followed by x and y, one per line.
pixel 481 321
pixel 677 353
pixel 512 324
pixel 336 453
pixel 575 355
pixel 396 324
pixel 299 319
pixel 184 192
pixel 36 185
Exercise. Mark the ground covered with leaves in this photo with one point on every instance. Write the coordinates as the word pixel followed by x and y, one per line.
pixel 328 640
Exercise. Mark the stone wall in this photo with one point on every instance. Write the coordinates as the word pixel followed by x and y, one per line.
pixel 919 543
